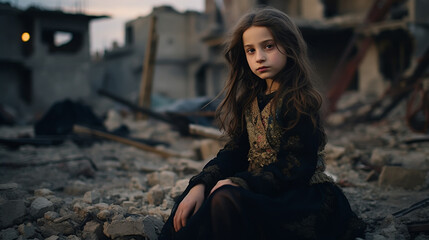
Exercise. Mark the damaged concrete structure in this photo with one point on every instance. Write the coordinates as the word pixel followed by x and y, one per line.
pixel 44 57
pixel 178 57
pixel 190 60
pixel 329 25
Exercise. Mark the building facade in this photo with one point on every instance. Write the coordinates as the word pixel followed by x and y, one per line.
pixel 44 57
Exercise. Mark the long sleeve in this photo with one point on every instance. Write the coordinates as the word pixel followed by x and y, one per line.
pixel 295 165
pixel 229 160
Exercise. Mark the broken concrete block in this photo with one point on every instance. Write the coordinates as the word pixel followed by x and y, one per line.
pixel 116 210
pixel 72 237
pixel 51 215
pixel 43 192
pixel 380 157
pixel 167 203
pixel 158 212
pixel 11 211
pixel 137 184
pixel 101 206
pixel 93 196
pixel 58 202
pixel 155 195
pixel 8 234
pixel 49 228
pixel 209 148
pixel 39 206
pixel 148 227
pixel 80 208
pixel 128 204
pixel 401 177
pixel 76 188
pixel 178 189
pixel 27 230
pixel 122 228
pixel 152 227
pixel 186 166
pixel 167 178
pixel 113 120
pixel 93 231
pixel 333 153
pixel 104 215
pixel 152 179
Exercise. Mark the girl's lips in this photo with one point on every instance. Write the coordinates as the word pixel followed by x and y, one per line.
pixel 262 69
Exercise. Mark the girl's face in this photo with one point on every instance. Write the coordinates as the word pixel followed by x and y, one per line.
pixel 264 56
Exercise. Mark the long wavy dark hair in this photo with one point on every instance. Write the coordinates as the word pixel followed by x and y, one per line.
pixel 298 94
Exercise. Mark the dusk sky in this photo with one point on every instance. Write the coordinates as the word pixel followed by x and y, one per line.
pixel 105 31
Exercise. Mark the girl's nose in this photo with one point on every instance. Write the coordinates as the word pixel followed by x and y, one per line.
pixel 260 57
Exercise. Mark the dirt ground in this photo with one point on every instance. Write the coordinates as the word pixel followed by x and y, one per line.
pixel 69 171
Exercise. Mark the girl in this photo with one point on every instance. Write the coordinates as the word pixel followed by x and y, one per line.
pixel 268 181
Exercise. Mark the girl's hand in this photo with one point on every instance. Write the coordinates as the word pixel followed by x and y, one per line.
pixel 221 183
pixel 189 206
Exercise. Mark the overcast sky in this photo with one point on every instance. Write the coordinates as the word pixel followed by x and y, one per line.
pixel 105 31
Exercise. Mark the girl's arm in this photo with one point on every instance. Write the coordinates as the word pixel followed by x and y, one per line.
pixel 296 164
pixel 229 160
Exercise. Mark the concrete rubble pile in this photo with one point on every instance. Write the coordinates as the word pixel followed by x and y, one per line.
pixel 128 193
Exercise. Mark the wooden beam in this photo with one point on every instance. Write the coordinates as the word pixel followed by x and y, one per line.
pixel 202 131
pixel 148 68
pixel 105 135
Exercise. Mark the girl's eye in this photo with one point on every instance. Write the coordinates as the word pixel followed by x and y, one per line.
pixel 250 50
pixel 269 46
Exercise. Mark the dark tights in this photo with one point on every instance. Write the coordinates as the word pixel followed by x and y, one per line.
pixel 227 216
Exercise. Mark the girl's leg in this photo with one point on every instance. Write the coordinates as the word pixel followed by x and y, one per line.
pixel 227 216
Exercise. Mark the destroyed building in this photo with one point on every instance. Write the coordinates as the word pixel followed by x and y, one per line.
pixel 177 55
pixel 44 57
pixel 189 61
pixel 328 27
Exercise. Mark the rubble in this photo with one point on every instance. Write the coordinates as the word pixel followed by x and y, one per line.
pixel 133 191
pixel 402 177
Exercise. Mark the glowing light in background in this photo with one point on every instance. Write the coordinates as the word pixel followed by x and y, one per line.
pixel 25 37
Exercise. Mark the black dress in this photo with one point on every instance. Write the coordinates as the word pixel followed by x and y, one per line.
pixel 281 199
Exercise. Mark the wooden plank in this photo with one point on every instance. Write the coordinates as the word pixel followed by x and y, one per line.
pixel 101 134
pixel 205 131
pixel 148 68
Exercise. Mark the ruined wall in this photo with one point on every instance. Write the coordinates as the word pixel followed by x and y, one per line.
pixel 178 55
pixel 13 73
pixel 52 65
pixel 59 73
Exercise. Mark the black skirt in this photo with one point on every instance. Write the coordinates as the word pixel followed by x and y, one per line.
pixel 318 211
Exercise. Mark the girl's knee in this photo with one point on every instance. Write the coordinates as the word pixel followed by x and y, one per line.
pixel 226 195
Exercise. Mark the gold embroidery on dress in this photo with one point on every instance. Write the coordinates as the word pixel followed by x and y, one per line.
pixel 264 138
